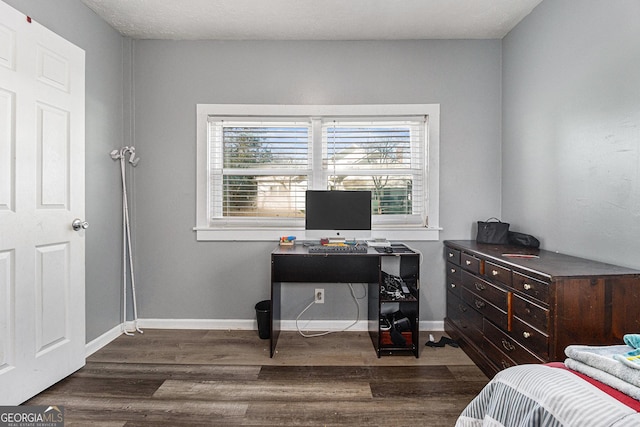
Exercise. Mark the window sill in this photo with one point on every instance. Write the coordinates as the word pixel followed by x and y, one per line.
pixel 264 234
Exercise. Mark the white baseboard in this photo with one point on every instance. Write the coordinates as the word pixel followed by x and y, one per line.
pixel 213 324
pixel 323 325
pixel 237 325
pixel 104 339
pixel 251 325
pixel 362 325
pixel 432 325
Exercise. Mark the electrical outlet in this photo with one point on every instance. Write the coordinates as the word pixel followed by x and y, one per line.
pixel 319 296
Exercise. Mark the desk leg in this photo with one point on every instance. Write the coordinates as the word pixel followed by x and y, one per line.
pixel 374 315
pixel 275 316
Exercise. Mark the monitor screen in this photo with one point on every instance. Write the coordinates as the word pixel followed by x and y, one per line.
pixel 340 213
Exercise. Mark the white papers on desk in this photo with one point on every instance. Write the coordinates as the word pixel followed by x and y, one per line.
pixel 378 243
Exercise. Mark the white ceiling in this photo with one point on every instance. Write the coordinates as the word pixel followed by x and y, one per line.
pixel 312 19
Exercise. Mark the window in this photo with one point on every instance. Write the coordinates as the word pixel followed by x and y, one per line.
pixel 383 156
pixel 258 169
pixel 255 163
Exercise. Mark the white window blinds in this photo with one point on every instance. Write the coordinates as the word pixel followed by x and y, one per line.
pixel 386 157
pixel 260 168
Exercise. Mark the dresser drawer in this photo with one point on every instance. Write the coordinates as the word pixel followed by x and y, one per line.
pixel 532 287
pixel 464 317
pixel 474 336
pixel 497 356
pixel 452 255
pixel 454 270
pixel 454 278
pixel 455 308
pixel 508 345
pixel 470 263
pixel 531 313
pixel 454 286
pixel 484 307
pixel 532 339
pixel 497 272
pixel 490 292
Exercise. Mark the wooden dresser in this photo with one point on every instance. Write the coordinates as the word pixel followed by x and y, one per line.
pixel 509 305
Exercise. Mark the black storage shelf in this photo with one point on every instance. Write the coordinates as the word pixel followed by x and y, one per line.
pixel 400 312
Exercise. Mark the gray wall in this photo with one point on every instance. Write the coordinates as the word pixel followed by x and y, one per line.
pixel 562 88
pixel 104 132
pixel 179 277
pixel 560 91
pixel 571 128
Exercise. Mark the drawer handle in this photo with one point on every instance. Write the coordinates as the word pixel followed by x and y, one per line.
pixel 450 254
pixel 505 365
pixel 480 286
pixel 479 304
pixel 526 334
pixel 507 345
pixel 526 286
pixel 468 262
pixel 453 270
pixel 462 308
pixel 453 285
pixel 495 272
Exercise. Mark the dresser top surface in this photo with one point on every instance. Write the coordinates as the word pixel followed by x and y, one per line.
pixel 541 262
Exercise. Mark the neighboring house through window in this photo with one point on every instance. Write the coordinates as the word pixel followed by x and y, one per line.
pixel 255 163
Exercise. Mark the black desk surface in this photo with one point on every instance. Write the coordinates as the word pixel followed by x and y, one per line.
pixel 299 249
pixel 303 249
pixel 296 264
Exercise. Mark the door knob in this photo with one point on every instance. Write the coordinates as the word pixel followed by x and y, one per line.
pixel 79 224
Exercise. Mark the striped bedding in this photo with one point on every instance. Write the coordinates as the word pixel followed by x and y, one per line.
pixel 540 395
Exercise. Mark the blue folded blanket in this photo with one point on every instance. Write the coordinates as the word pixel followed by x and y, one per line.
pixel 632 340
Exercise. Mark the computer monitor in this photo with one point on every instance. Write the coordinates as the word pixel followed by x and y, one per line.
pixel 338 214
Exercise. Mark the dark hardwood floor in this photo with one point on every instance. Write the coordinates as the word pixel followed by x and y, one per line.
pixel 223 378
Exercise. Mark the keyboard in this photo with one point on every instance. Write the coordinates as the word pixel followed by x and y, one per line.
pixel 349 249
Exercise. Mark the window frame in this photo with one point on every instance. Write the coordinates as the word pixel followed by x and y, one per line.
pixel 239 230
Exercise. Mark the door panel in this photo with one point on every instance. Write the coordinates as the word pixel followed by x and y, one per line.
pixel 53 69
pixel 52 288
pixel 7 47
pixel 6 308
pixel 7 148
pixel 53 157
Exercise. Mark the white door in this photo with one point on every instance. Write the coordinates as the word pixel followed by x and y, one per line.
pixel 42 299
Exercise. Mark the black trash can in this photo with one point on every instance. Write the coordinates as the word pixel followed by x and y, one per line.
pixel 263 315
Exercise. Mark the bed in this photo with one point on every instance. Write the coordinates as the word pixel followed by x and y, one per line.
pixel 593 387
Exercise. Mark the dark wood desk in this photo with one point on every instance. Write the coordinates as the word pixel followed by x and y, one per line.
pixel 296 264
